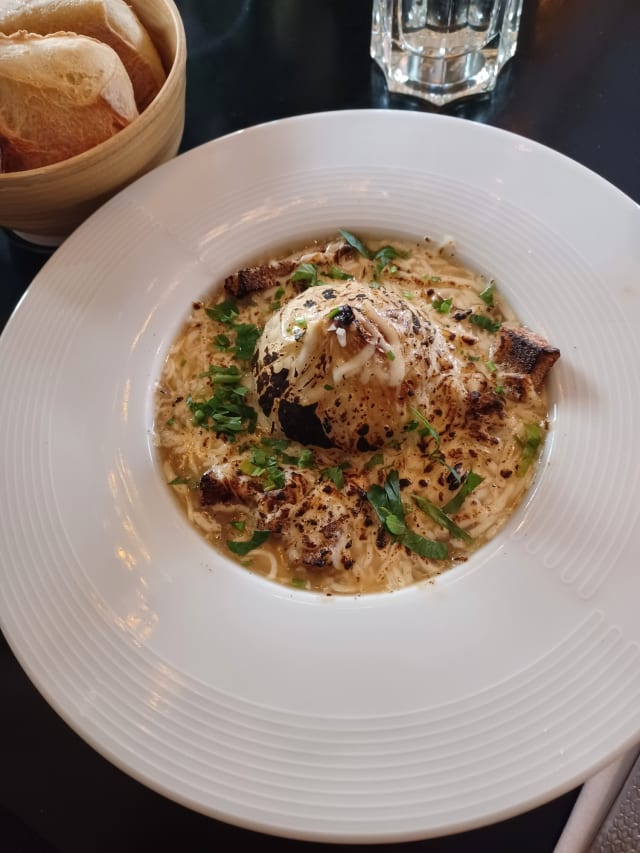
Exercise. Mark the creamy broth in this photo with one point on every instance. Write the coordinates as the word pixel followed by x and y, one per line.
pixel 348 418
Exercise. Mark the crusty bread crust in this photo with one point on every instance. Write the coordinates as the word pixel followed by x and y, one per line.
pixel 110 21
pixel 60 95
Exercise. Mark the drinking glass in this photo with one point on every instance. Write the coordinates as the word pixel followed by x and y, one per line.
pixel 442 50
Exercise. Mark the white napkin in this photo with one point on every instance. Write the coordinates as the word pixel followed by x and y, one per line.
pixel 594 802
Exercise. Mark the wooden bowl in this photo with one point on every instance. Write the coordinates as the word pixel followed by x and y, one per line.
pixel 47 204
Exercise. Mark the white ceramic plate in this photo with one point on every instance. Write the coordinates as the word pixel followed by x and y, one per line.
pixel 382 718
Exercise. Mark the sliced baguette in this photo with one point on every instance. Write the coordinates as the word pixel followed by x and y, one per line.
pixel 60 95
pixel 111 21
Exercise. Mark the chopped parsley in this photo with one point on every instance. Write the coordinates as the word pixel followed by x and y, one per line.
pixel 246 334
pixel 335 474
pixel 277 296
pixel 441 518
pixel 376 459
pixel 488 293
pixel 246 339
pixel 264 462
pixel 337 273
pixel 307 273
pixel 222 343
pixel 225 411
pixel 243 548
pixel 382 257
pixel 530 444
pixel 427 429
pixel 265 468
pixel 484 322
pixel 224 312
pixel 180 481
pixel 356 244
pixel 442 306
pixel 471 482
pixel 239 525
pixel 388 506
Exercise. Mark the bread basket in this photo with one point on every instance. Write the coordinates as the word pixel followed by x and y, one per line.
pixel 47 204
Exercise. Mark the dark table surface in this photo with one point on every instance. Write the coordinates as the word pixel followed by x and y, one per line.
pixel 573 86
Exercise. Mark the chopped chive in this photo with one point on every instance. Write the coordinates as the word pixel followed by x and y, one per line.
pixel 442 306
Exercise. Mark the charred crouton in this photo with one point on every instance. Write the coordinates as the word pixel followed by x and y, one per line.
pixel 522 351
pixel 250 280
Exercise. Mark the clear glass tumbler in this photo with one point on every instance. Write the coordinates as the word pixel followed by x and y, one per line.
pixel 442 50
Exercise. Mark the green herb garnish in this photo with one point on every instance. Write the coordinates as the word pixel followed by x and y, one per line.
pixel 222 342
pixel 437 515
pixel 264 467
pixel 180 481
pixel 383 256
pixel 223 312
pixel 246 339
pixel 243 548
pixel 335 474
pixel 356 244
pixel 484 322
pixel 376 459
pixel 337 273
pixel 225 412
pixel 387 504
pixel 277 296
pixel 442 306
pixel 488 293
pixel 530 445
pixel 471 482
pixel 307 273
pixel 427 429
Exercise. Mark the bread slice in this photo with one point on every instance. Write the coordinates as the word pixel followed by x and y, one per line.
pixel 110 21
pixel 59 95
